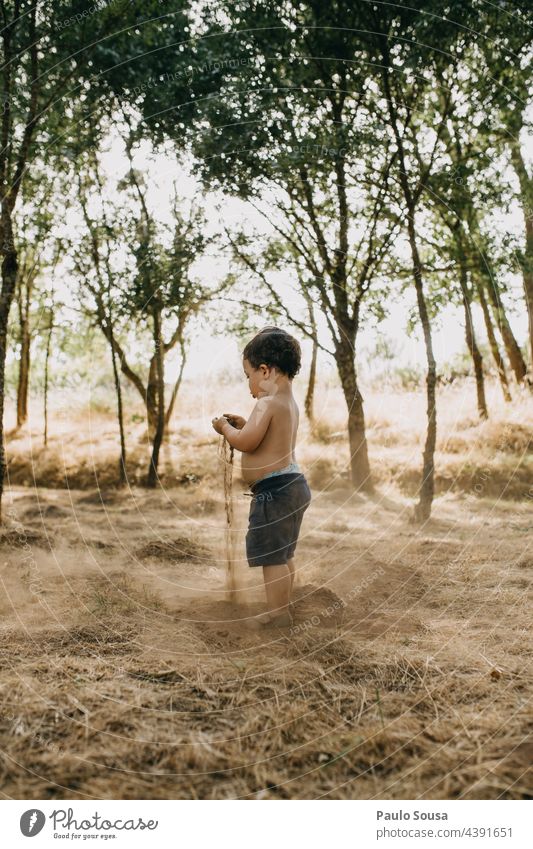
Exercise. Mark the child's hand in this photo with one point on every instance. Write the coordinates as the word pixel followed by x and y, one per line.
pixel 218 423
pixel 235 420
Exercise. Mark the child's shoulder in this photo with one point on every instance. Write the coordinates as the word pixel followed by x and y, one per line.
pixel 276 404
pixel 266 402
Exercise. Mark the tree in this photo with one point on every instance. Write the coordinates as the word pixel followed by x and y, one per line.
pixel 294 135
pixel 103 239
pixel 50 53
pixel 408 109
pixel 446 197
pixel 38 254
pixel 487 273
pixel 451 191
pixel 151 288
pixel 460 237
pixel 505 89
pixel 163 283
pixel 495 94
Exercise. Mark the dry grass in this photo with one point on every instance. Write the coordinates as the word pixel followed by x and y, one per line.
pixel 407 674
pixel 487 459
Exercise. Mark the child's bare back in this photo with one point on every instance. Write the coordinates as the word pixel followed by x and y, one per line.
pixel 277 448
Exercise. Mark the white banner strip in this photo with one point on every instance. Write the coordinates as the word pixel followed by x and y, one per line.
pixel 264 825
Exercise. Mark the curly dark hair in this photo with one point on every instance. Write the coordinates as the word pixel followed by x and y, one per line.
pixel 275 347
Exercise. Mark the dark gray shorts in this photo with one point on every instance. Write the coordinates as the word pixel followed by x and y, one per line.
pixel 276 513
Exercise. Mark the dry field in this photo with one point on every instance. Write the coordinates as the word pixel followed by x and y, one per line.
pixel 408 672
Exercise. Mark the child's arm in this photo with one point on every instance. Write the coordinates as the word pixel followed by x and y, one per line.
pixel 251 435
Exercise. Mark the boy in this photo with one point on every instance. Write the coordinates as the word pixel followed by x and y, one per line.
pixel 267 441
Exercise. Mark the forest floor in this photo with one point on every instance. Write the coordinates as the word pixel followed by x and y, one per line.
pixel 126 672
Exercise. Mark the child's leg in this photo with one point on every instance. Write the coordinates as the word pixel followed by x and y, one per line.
pixel 292 571
pixel 278 591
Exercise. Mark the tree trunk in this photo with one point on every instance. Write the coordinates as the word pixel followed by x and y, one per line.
pixel 477 360
pixel 109 333
pixel 527 276
pixel 526 261
pixel 490 284
pixel 9 280
pixel 427 487
pixel 310 394
pixel 123 476
pixel 151 396
pixel 471 341
pixel 160 428
pixel 511 345
pixel 360 468
pixel 46 373
pixel 493 342
pixel 176 388
pixel 24 372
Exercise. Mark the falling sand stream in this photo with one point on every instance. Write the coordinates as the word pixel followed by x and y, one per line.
pixel 225 453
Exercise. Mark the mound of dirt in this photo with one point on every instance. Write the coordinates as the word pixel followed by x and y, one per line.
pixel 102 496
pixel 21 537
pixel 180 548
pixel 46 511
pixel 316 605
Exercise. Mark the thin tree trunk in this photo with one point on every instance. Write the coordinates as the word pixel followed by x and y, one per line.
pixel 477 360
pixel 176 387
pixel 493 342
pixel 526 261
pixel 160 429
pixel 310 394
pixel 123 476
pixel 122 470
pixel 359 465
pixel 471 341
pixel 25 284
pixel 527 277
pixel 9 280
pixel 46 373
pixel 151 397
pixel 511 345
pixel 427 487
pixel 24 372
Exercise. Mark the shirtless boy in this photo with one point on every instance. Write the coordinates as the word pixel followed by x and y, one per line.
pixel 267 441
